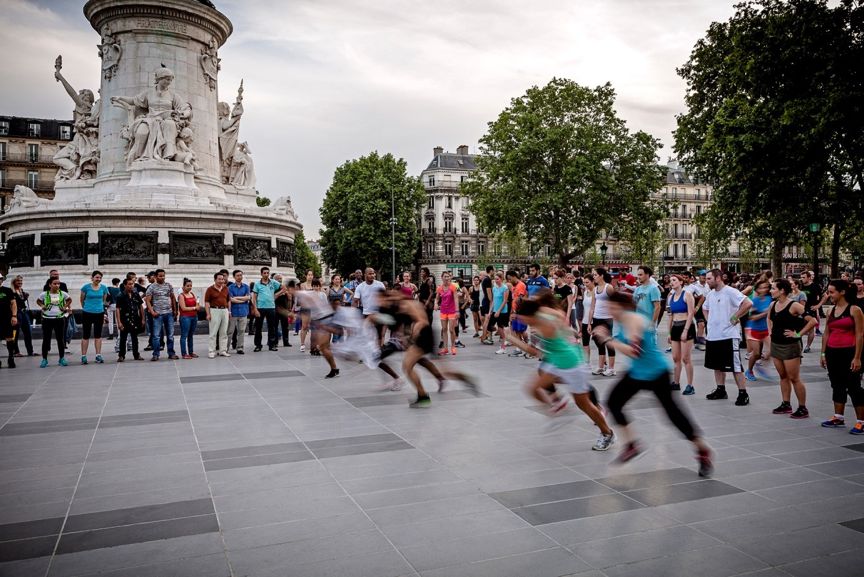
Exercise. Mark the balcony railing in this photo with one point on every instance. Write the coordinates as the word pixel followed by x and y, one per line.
pixel 27 157
pixel 682 196
pixel 40 185
pixel 680 235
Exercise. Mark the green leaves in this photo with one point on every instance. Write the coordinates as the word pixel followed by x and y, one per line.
pixel 357 210
pixel 558 166
pixel 305 259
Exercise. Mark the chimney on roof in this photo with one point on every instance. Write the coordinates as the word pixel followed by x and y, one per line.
pixel 462 149
pixel 437 150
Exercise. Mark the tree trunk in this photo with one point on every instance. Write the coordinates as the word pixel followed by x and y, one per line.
pixel 835 251
pixel 777 257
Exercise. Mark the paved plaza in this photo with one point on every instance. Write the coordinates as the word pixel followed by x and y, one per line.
pixel 256 466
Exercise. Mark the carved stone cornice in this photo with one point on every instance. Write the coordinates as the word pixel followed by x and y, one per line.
pixel 165 15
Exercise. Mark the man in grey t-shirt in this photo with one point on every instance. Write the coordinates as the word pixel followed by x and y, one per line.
pixel 161 304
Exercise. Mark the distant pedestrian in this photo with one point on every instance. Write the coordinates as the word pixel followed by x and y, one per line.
pixel 130 318
pixel 55 305
pixel 94 303
pixel 241 296
pixel 188 304
pixel 161 304
pixel 23 329
pixel 216 305
pixel 264 308
pixel 8 320
pixel 113 293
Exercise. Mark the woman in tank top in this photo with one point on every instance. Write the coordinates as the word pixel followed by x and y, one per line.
pixel 587 301
pixel 841 354
pixel 787 321
pixel 601 317
pixel 682 332
pixel 475 306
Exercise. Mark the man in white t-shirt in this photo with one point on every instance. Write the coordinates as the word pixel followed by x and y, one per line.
pixel 723 307
pixel 366 297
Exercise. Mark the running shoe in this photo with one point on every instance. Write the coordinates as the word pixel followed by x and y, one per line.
pixel 475 336
pixel 501 351
pixel 423 402
pixel 43 363
pixel 603 442
pixel 743 399
pixel 747 356
pixel 302 348
pixel 761 371
pixel 628 453
pixel 806 349
pixel 598 371
pixel 83 360
pixel 818 332
pixel 459 345
pixel 609 372
pixel 557 406
pixel 396 385
pixel 749 375
pixel 800 413
pixel 834 423
pixel 527 356
pixel 717 394
pixel 99 359
pixel 858 429
pixel 785 408
pixel 488 342
pixel 442 352
pixel 689 390
pixel 675 387
pixel 516 353
pixel 211 355
pixel 62 362
pixel 706 465
pixel 668 349
pixel 226 354
pixel 453 352
pixel 332 373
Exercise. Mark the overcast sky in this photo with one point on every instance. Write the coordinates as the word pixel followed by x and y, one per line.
pixel 331 80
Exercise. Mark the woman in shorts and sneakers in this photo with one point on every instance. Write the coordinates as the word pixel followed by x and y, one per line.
pixel 447 303
pixel 841 354
pixel 585 321
pixel 499 315
pixel 562 363
pixel 787 321
pixel 682 332
pixel 600 317
pixel 757 325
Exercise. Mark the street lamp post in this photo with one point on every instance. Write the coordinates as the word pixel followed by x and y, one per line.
pixel 393 234
pixel 603 249
pixel 815 227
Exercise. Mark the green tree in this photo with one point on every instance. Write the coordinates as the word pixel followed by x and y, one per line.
pixel 304 258
pixel 356 215
pixel 262 201
pixel 642 232
pixel 774 111
pixel 712 238
pixel 559 166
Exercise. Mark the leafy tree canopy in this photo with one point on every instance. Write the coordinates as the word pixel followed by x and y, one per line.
pixel 559 166
pixel 356 215
pixel 304 258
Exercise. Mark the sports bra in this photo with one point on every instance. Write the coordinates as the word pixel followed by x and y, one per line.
pixel 679 305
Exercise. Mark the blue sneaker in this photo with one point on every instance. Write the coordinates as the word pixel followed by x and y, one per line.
pixel 99 359
pixel 858 429
pixel 689 390
pixel 63 362
pixel 83 360
pixel 43 364
pixel 749 375
pixel 834 423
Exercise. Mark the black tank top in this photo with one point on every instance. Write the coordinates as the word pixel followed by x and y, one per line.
pixel 783 320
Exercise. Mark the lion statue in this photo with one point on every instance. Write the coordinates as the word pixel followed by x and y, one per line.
pixel 24 197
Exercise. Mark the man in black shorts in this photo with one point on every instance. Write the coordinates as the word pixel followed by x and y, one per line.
pixel 8 320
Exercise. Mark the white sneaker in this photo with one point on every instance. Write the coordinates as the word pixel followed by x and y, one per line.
pixel 211 355
pixel 604 442
pixel 302 348
pixel 609 372
pixel 501 352
pixel 516 353
pixel 396 385
pixel 224 354
pixel 598 371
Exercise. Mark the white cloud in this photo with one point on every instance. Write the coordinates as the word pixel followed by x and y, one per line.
pixel 329 81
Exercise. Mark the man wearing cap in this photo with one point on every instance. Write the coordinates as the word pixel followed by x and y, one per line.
pixel 8 320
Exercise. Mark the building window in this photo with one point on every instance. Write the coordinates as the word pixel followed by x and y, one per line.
pixel 448 248
pixel 698 194
pixel 2 151
pixel 675 251
pixel 33 152
pixel 430 225
pixel 684 250
pixel 65 132
pixel 698 209
pixel 431 203
pixel 448 226
pixel 33 179
pixel 465 225
pixel 449 202
pixel 431 181
pixel 4 127
pixel 464 248
pixel 2 179
pixel 34 129
pixel 481 248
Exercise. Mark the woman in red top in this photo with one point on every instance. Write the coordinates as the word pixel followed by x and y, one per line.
pixel 447 302
pixel 841 354
pixel 188 304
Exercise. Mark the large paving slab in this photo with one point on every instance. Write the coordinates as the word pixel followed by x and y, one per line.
pixel 255 465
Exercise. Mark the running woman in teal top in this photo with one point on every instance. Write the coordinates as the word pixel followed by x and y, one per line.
pixel 563 362
pixel 649 370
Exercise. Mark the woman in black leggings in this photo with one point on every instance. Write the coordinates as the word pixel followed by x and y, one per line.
pixel 841 354
pixel 55 304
